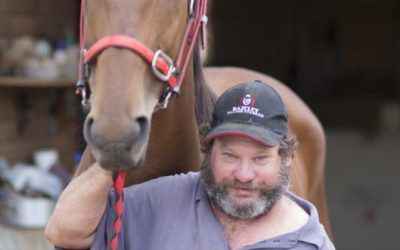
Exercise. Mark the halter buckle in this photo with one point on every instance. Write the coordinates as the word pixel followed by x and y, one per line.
pixel 171 68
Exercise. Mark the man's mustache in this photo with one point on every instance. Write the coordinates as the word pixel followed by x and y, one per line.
pixel 250 186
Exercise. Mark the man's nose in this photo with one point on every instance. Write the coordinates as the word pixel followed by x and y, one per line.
pixel 245 173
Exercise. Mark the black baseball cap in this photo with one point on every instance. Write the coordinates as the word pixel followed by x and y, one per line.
pixel 253 110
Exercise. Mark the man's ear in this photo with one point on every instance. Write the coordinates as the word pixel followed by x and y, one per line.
pixel 287 161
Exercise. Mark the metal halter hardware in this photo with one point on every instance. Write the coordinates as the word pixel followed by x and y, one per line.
pixel 82 91
pixel 171 68
pixel 82 84
pixel 163 104
pixel 168 70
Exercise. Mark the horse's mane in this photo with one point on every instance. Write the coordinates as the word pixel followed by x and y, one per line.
pixel 204 97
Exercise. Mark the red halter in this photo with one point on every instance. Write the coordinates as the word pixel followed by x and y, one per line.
pixel 169 71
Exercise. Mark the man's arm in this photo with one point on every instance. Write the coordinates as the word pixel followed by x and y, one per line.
pixel 79 209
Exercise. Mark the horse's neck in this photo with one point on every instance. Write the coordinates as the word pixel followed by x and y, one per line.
pixel 174 139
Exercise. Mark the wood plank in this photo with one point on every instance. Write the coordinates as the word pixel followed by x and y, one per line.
pixel 19 81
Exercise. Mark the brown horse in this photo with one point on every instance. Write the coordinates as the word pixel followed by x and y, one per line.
pixel 123 128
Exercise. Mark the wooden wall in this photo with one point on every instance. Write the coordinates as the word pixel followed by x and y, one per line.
pixel 40 18
pixel 34 118
pixel 39 118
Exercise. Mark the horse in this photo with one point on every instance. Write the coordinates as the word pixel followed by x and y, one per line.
pixel 126 128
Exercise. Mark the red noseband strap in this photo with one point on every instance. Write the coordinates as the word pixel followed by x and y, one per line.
pixel 160 61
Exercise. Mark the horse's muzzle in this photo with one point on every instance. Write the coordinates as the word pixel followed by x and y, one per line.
pixel 120 161
pixel 115 147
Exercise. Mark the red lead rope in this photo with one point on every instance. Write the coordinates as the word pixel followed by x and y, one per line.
pixel 119 180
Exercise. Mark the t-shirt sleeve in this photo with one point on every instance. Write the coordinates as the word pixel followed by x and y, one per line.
pixel 328 245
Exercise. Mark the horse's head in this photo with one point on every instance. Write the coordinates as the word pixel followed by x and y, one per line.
pixel 124 89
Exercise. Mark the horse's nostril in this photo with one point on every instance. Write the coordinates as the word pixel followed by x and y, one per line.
pixel 87 128
pixel 90 121
pixel 143 124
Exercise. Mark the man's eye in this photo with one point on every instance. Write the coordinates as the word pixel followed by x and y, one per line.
pixel 261 159
pixel 229 157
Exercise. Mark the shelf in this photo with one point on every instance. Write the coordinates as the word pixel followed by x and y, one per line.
pixel 19 81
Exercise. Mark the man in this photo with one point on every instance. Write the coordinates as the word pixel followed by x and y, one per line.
pixel 240 200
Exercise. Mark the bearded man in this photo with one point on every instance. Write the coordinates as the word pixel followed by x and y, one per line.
pixel 239 200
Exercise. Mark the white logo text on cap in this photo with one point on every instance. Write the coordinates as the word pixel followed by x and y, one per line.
pixel 246 108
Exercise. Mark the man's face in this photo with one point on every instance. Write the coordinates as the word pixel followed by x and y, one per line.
pixel 244 178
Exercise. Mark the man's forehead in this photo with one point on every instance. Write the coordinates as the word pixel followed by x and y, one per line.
pixel 228 142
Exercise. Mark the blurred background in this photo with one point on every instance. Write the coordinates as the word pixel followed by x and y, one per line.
pixel 340 56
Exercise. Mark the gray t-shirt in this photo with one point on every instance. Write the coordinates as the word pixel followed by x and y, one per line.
pixel 173 213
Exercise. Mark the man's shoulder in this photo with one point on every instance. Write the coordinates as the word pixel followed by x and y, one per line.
pixel 172 181
pixel 295 216
pixel 312 231
pixel 299 226
pixel 165 187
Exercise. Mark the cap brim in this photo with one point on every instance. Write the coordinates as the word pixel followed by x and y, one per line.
pixel 255 133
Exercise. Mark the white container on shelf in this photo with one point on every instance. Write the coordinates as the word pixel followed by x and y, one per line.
pixel 22 211
pixel 45 158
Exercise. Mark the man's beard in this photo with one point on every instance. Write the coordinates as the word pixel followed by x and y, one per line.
pixel 218 193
